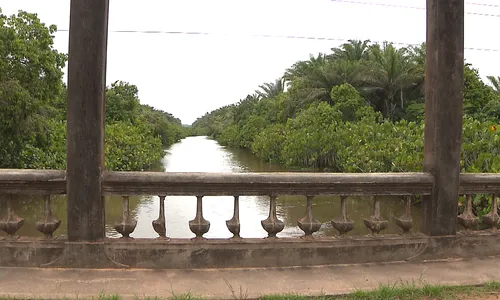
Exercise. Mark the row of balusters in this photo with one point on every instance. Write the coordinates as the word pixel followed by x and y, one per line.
pixel 272 225
pixel 48 224
pixel 11 222
pixel 469 220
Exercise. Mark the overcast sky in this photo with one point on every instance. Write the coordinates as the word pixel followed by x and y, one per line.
pixel 189 75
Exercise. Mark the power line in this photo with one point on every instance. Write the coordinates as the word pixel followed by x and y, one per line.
pixel 482 4
pixel 270 36
pixel 411 7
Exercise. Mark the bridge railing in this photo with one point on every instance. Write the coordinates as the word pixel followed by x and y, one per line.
pixel 309 185
pixel 271 185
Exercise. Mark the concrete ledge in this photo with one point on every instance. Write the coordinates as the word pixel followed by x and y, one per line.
pixel 250 253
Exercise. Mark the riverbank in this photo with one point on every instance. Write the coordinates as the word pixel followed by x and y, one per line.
pixel 388 280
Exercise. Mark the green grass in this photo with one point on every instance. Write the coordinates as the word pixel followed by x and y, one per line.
pixel 401 291
pixel 405 291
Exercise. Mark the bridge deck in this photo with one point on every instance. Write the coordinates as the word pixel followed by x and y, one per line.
pixel 217 284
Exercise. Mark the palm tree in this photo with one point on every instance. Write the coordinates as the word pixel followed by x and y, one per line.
pixel 354 50
pixel 495 82
pixel 349 71
pixel 310 80
pixel 418 58
pixel 302 68
pixel 316 84
pixel 314 79
pixel 391 71
pixel 271 89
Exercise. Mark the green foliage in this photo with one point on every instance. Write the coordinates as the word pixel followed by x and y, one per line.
pixel 268 144
pixel 33 101
pixel 347 100
pixel 122 103
pixel 495 82
pixel 162 125
pixel 480 100
pixel 30 75
pixel 128 147
pixel 369 146
pixel 46 149
pixel 307 138
pixel 359 108
pixel 230 136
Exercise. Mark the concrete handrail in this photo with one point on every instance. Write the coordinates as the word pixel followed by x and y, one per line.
pixel 53 182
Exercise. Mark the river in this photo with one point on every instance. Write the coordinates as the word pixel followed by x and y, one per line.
pixel 201 154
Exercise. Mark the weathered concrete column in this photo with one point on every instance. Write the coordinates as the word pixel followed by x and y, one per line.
pixel 443 113
pixel 85 119
pixel 85 138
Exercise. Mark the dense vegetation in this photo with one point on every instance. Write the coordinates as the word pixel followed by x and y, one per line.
pixel 33 106
pixel 359 108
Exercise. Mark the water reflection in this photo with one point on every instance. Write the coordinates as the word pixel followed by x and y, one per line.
pixel 200 154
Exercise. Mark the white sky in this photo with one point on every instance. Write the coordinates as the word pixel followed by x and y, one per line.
pixel 189 75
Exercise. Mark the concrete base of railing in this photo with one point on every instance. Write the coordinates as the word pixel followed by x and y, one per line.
pixel 245 253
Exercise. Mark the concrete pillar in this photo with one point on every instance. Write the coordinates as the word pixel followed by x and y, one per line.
pixel 443 113
pixel 85 119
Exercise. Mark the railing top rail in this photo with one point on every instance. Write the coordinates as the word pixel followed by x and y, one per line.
pixel 43 182
pixel 32 182
pixel 212 184
pixel 479 183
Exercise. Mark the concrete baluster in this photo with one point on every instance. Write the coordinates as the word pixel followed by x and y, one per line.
pixel 233 225
pixel 199 226
pixel 375 222
pixel 405 222
pixel 11 223
pixel 128 223
pixel 48 224
pixel 160 224
pixel 492 218
pixel 272 225
pixel 467 219
pixel 343 224
pixel 309 224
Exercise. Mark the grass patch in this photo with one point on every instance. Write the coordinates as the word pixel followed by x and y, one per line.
pixel 401 291
pixel 405 291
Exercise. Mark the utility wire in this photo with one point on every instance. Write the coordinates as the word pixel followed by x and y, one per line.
pixel 269 36
pixel 410 7
pixel 482 4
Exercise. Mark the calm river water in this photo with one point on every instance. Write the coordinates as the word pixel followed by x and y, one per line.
pixel 200 154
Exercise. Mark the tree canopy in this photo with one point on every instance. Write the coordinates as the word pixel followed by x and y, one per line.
pixel 356 109
pixel 359 108
pixel 33 106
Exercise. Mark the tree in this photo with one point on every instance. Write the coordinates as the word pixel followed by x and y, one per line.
pixel 354 50
pixel 314 84
pixel 330 117
pixel 391 71
pixel 122 102
pixel 162 125
pixel 30 77
pixel 495 82
pixel 33 106
pixel 478 97
pixel 271 89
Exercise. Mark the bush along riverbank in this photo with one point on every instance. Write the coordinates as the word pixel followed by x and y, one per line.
pixel 359 108
pixel 33 123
